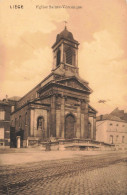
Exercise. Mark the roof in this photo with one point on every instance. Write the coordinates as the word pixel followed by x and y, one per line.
pixel 91 109
pixel 119 113
pixel 4 103
pixel 14 98
pixel 65 34
pixel 109 117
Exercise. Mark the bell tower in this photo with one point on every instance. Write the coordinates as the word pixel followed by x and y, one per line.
pixel 65 53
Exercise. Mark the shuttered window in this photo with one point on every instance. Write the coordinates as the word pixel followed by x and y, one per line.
pixel 58 58
pixel 69 56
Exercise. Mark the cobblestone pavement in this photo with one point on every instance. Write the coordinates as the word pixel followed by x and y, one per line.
pixel 86 175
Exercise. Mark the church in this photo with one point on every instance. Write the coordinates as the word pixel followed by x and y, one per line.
pixel 58 107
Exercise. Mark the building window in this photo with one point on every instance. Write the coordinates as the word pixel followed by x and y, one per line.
pixel 1 133
pixel 69 55
pixel 40 123
pixel 2 114
pixel 122 139
pixel 110 124
pixel 117 125
pixel 111 139
pixel 58 58
pixel 20 122
pixel 26 118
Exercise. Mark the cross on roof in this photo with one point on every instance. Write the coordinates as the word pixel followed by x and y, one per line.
pixel 65 22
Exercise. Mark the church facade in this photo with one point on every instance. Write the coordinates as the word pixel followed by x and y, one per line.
pixel 58 107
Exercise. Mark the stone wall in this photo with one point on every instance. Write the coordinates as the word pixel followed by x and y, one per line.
pixel 25 121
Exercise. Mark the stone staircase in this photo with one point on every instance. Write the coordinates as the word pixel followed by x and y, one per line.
pixel 75 144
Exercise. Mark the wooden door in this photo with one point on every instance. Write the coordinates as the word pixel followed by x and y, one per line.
pixel 69 127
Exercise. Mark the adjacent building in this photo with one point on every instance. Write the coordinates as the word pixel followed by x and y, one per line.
pixel 5 110
pixel 119 113
pixel 58 107
pixel 111 129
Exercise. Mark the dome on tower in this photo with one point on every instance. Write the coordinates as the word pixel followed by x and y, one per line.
pixel 65 34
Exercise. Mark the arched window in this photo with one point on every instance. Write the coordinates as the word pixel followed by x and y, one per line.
pixel 40 123
pixel 58 58
pixel 69 56
pixel 26 118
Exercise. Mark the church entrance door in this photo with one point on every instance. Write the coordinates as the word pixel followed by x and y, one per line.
pixel 69 126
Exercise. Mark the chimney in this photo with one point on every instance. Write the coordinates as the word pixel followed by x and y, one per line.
pixel 6 97
pixel 101 117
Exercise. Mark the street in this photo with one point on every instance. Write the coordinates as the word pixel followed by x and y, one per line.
pixel 86 175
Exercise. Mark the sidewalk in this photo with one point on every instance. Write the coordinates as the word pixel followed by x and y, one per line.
pixel 21 156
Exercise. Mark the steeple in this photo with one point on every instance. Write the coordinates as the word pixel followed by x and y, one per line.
pixel 65 52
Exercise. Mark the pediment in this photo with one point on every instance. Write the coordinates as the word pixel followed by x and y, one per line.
pixel 91 109
pixel 75 84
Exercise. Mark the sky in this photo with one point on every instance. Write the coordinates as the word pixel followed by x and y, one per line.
pixel 100 26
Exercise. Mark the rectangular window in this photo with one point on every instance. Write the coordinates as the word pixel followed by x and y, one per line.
pixel 2 114
pixel 1 133
pixel 122 139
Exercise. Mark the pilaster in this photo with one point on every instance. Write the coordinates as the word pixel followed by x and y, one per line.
pixel 86 128
pixel 53 117
pixel 78 124
pixel 32 122
pixel 62 114
pixel 94 128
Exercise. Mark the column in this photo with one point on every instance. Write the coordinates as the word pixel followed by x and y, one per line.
pixel 18 141
pixel 82 125
pixel 48 124
pixel 91 120
pixel 61 57
pixel 94 128
pixel 32 123
pixel 86 128
pixel 53 117
pixel 62 116
pixel 78 124
pixel 27 143
pixel 76 57
pixel 54 60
